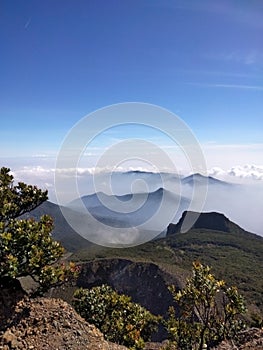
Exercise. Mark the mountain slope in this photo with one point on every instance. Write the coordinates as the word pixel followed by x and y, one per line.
pixel 198 179
pixel 209 221
pixel 234 254
pixel 130 209
pixel 62 232
pixel 91 230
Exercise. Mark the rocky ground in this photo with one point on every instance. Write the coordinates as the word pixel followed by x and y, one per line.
pixel 52 324
pixel 251 339
pixel 49 324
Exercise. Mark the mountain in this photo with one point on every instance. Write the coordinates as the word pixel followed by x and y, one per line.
pixel 208 221
pixel 234 200
pixel 134 181
pixel 151 177
pixel 67 228
pixel 132 209
pixel 198 179
pixel 62 231
pixel 234 254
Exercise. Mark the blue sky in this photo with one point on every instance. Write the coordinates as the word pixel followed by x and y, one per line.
pixel 202 60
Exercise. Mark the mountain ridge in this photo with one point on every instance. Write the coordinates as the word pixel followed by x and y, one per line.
pixel 234 254
pixel 131 209
pixel 206 220
pixel 203 179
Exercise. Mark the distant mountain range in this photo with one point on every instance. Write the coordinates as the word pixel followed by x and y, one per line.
pixel 130 209
pixel 137 208
pixel 65 233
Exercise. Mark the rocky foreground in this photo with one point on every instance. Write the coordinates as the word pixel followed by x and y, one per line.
pixel 52 324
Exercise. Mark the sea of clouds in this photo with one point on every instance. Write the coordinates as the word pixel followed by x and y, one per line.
pixel 242 202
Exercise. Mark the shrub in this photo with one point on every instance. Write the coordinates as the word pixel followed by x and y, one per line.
pixel 118 318
pixel 209 311
pixel 26 245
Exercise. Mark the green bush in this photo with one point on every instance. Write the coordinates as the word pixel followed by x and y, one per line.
pixel 118 318
pixel 209 311
pixel 26 245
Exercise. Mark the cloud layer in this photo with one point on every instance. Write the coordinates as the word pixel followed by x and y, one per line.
pixel 250 172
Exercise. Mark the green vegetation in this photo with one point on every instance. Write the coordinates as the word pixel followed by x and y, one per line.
pixel 236 257
pixel 205 312
pixel 121 320
pixel 26 245
pixel 209 311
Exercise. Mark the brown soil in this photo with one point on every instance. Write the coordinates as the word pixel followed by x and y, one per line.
pixel 51 324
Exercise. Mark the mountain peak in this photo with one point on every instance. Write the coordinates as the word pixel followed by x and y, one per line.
pixel 208 221
pixel 200 179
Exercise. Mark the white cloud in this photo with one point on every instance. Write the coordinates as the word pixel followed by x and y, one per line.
pixel 42 155
pixel 250 172
pixel 244 56
pixel 229 86
pixel 237 86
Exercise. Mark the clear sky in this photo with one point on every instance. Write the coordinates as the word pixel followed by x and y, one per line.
pixel 62 59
